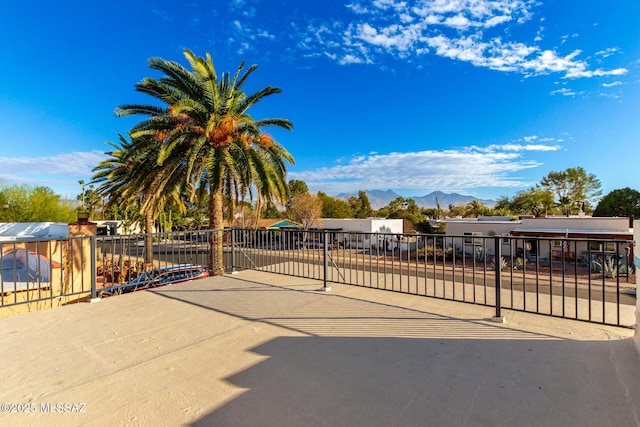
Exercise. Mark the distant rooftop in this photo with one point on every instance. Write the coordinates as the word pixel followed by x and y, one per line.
pixel 16 231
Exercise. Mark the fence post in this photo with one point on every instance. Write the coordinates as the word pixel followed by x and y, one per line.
pixel 94 270
pixel 498 270
pixel 325 259
pixel 233 251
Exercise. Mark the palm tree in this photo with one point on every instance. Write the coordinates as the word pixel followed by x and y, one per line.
pixel 132 176
pixel 114 174
pixel 206 132
pixel 475 208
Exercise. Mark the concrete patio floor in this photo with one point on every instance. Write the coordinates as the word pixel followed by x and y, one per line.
pixel 259 349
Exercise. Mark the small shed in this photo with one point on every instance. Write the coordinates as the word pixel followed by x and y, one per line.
pixel 363 232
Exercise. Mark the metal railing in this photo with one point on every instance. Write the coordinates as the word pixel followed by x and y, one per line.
pixel 590 280
pixel 39 274
pixel 538 275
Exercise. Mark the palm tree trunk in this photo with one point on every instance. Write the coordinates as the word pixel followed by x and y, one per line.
pixel 148 237
pixel 216 260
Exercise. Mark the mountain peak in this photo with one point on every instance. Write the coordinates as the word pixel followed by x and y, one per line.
pixel 381 198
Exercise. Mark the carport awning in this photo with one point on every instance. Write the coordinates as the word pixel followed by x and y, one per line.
pixel 573 234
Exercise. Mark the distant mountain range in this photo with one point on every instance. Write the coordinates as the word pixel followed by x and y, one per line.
pixel 381 198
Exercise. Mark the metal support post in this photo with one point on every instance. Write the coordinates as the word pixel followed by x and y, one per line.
pixel 94 270
pixel 233 251
pixel 325 259
pixel 498 263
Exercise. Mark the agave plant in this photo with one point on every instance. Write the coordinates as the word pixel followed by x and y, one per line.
pixel 595 266
pixel 499 264
pixel 610 267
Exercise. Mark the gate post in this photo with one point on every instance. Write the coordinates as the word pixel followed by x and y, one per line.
pixel 498 271
pixel 636 262
pixel 233 251
pixel 325 261
pixel 94 270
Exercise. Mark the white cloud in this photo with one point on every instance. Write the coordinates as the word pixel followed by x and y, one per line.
pixel 76 163
pixel 461 169
pixel 458 22
pixel 566 92
pixel 250 33
pixel 357 8
pixel 454 29
pixel 161 14
pixel 350 59
pixel 496 20
pixel 610 95
pixel 60 172
pixel 524 147
pixel 478 32
pixel 612 84
pixel 607 52
pixel 580 71
pixel 394 37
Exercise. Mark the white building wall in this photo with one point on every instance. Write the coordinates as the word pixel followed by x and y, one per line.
pixel 479 228
pixel 577 223
pixel 119 226
pixel 364 225
pixel 486 227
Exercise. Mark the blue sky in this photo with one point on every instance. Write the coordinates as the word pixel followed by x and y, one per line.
pixel 477 97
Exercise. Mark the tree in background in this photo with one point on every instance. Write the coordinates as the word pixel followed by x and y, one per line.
pixel 621 202
pixel 425 226
pixel 405 209
pixel 400 206
pixel 305 209
pixel 504 202
pixel 573 189
pixel 475 208
pixel 361 206
pixel 129 215
pixel 333 207
pixel 295 187
pixel 457 210
pixel 92 201
pixel 535 201
pixel 270 211
pixel 23 203
pixel 432 213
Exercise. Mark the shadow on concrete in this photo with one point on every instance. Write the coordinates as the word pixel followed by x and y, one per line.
pixel 326 314
pixel 353 381
pixel 362 362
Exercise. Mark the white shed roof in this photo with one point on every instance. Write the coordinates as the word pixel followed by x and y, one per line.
pixel 11 231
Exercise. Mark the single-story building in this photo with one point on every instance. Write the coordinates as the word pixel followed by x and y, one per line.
pixel 363 232
pixel 558 237
pixel 114 227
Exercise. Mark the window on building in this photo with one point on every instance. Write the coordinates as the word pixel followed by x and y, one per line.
pixel 473 241
pixel 596 246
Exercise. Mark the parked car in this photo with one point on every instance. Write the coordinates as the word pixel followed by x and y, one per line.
pixel 159 277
